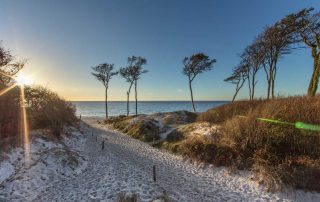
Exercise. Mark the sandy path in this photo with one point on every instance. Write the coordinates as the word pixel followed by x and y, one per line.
pixel 125 165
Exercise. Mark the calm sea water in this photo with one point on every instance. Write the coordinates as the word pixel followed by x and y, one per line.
pixel 97 108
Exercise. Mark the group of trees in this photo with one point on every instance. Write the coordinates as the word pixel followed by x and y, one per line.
pixel 132 73
pixel 294 30
pixel 277 40
pixel 192 66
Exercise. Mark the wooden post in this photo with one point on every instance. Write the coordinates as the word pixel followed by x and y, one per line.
pixel 102 145
pixel 96 138
pixel 154 173
pixel 80 116
pixel 91 134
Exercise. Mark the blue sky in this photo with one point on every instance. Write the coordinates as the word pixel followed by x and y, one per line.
pixel 63 39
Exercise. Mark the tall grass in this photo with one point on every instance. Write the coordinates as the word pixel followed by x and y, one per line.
pixel 278 154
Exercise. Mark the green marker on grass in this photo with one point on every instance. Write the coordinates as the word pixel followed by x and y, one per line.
pixel 299 125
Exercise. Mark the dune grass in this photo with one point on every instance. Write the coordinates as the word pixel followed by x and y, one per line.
pixel 278 153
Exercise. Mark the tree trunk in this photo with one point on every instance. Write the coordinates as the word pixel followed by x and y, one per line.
pixel 136 96
pixel 237 89
pixel 269 82
pixel 249 86
pixel 253 85
pixel 194 109
pixel 128 97
pixel 314 82
pixel 273 81
pixel 128 94
pixel 106 103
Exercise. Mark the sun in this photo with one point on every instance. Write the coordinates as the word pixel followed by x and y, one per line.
pixel 23 80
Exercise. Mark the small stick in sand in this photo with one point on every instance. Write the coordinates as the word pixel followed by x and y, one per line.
pixel 102 145
pixel 154 173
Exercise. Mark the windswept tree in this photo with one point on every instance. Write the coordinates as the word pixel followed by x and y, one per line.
pixel 127 74
pixel 252 59
pixel 307 26
pixel 103 73
pixel 275 41
pixel 132 73
pixel 137 72
pixel 238 78
pixel 194 65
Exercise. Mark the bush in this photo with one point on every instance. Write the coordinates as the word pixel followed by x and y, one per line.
pixel 47 110
pixel 9 119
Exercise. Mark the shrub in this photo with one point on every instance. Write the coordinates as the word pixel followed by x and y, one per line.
pixel 200 148
pixel 122 197
pixel 9 119
pixel 47 110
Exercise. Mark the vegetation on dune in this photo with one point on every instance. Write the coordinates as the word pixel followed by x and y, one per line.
pixel 259 135
pixel 44 109
pixel 47 110
pixel 145 129
pixel 278 152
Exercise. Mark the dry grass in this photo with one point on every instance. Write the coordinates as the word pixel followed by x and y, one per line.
pixel 278 153
pixel 127 198
pixel 227 111
pixel 144 129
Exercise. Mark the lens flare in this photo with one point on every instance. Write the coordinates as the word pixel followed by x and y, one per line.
pixel 24 127
pixel 4 91
pixel 23 80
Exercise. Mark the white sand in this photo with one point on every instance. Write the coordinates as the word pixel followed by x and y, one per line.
pixel 125 165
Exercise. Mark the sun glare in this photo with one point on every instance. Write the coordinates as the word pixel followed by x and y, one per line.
pixel 23 80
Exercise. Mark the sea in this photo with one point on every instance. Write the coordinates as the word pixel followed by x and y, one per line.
pixel 116 108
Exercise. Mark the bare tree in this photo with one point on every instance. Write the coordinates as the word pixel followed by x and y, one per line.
pixel 132 74
pixel 238 78
pixel 103 73
pixel 307 26
pixel 194 65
